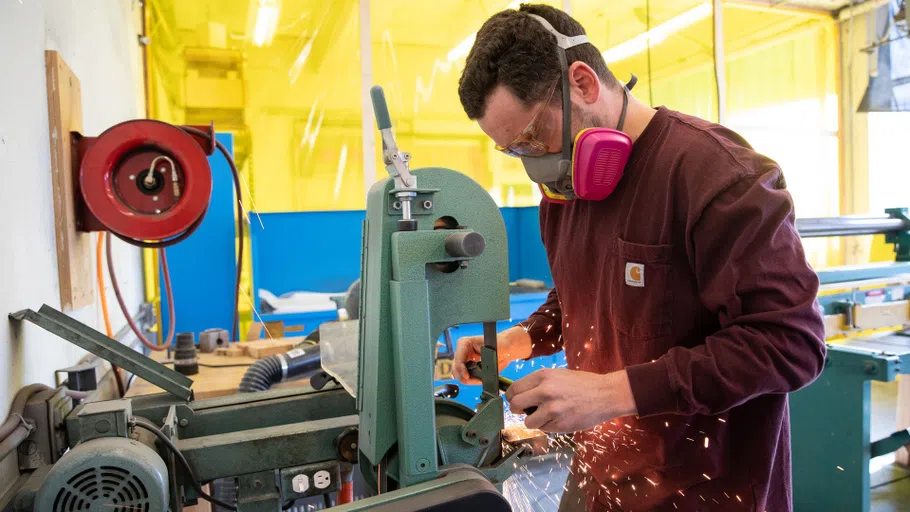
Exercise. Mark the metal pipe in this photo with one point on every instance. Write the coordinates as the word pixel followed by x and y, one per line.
pixel 849 226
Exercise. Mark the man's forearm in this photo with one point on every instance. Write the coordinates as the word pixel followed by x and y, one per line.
pixel 516 343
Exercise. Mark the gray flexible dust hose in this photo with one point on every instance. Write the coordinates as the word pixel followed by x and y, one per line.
pixel 268 371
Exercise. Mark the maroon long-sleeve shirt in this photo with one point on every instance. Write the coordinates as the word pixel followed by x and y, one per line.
pixel 692 278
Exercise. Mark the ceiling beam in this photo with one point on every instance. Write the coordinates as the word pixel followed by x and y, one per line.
pixel 779 7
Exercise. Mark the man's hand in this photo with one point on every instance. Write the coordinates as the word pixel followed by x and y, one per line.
pixel 511 345
pixel 571 401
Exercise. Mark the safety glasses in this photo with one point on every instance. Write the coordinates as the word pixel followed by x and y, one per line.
pixel 527 143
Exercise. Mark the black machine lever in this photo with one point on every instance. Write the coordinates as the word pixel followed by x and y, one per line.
pixel 446 391
pixel 475 370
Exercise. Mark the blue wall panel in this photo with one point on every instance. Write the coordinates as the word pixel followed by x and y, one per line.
pixel 306 251
pixel 320 251
pixel 203 266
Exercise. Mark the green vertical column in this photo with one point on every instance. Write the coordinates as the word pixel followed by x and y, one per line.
pixel 830 435
pixel 417 460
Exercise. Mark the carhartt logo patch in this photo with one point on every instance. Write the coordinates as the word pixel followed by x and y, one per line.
pixel 635 274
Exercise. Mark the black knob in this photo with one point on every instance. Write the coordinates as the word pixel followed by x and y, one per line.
pixel 446 391
pixel 185 361
pixel 467 244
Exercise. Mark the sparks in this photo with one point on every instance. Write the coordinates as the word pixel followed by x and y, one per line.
pixel 702 498
pixel 633 487
pixel 667 424
pixel 706 442
pixel 674 505
pixel 840 468
pixel 721 420
pixel 681 493
pixel 549 327
pixel 690 439
pixel 652 482
pixel 706 476
pixel 738 498
pixel 727 495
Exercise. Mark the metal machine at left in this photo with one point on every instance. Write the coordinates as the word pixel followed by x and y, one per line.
pixel 433 256
pixel 143 179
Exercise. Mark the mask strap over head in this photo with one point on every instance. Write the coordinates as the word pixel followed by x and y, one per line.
pixel 625 101
pixel 564 42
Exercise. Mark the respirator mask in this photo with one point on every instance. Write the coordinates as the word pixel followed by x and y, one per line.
pixel 589 167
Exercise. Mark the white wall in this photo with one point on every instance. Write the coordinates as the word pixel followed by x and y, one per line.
pixel 98 40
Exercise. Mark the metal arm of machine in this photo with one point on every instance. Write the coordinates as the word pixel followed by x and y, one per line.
pixel 396 161
pixel 850 226
pixel 895 226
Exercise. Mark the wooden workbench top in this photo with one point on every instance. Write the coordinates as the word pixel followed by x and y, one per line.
pixel 220 378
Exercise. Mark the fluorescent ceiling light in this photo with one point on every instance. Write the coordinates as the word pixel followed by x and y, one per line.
pixel 462 49
pixel 657 34
pixel 266 22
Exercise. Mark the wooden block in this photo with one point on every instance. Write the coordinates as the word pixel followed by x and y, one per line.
pixel 233 352
pixel 271 330
pixel 74 255
pixel 223 351
pixel 265 348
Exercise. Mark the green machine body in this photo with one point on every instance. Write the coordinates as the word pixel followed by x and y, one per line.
pixel 434 255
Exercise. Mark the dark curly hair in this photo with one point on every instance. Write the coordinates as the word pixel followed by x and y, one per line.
pixel 514 50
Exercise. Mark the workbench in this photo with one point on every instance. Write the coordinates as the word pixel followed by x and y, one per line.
pixel 831 426
pixel 220 378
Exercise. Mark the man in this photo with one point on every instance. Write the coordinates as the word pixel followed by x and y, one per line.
pixel 683 299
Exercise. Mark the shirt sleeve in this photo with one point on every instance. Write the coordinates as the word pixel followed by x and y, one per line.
pixel 545 327
pixel 752 273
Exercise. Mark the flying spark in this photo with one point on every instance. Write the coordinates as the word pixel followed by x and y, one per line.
pixel 706 442
pixel 721 420
pixel 706 476
pixel 738 498
pixel 840 468
pixel 652 482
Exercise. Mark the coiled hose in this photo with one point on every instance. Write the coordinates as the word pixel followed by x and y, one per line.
pixel 301 362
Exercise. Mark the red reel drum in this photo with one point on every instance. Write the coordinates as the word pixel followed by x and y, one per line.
pixel 146 180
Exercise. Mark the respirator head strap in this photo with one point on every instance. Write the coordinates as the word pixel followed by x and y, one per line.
pixel 625 101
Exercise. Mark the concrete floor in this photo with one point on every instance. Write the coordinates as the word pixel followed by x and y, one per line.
pixel 890 485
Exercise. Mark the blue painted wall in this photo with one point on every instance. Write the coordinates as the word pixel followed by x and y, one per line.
pixel 320 251
pixel 203 266
pixel 306 251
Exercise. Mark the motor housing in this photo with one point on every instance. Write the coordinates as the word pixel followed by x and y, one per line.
pixel 107 474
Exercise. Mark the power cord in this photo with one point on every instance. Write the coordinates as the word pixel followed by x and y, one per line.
pixel 151 427
pixel 236 175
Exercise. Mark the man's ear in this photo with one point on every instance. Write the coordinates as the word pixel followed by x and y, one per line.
pixel 585 84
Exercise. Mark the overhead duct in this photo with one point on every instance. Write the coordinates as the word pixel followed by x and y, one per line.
pixel 889 83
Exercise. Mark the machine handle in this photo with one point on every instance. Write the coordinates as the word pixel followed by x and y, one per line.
pixel 469 244
pixel 380 109
pixel 475 370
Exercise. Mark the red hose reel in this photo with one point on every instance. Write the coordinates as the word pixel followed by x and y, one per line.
pixel 144 180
